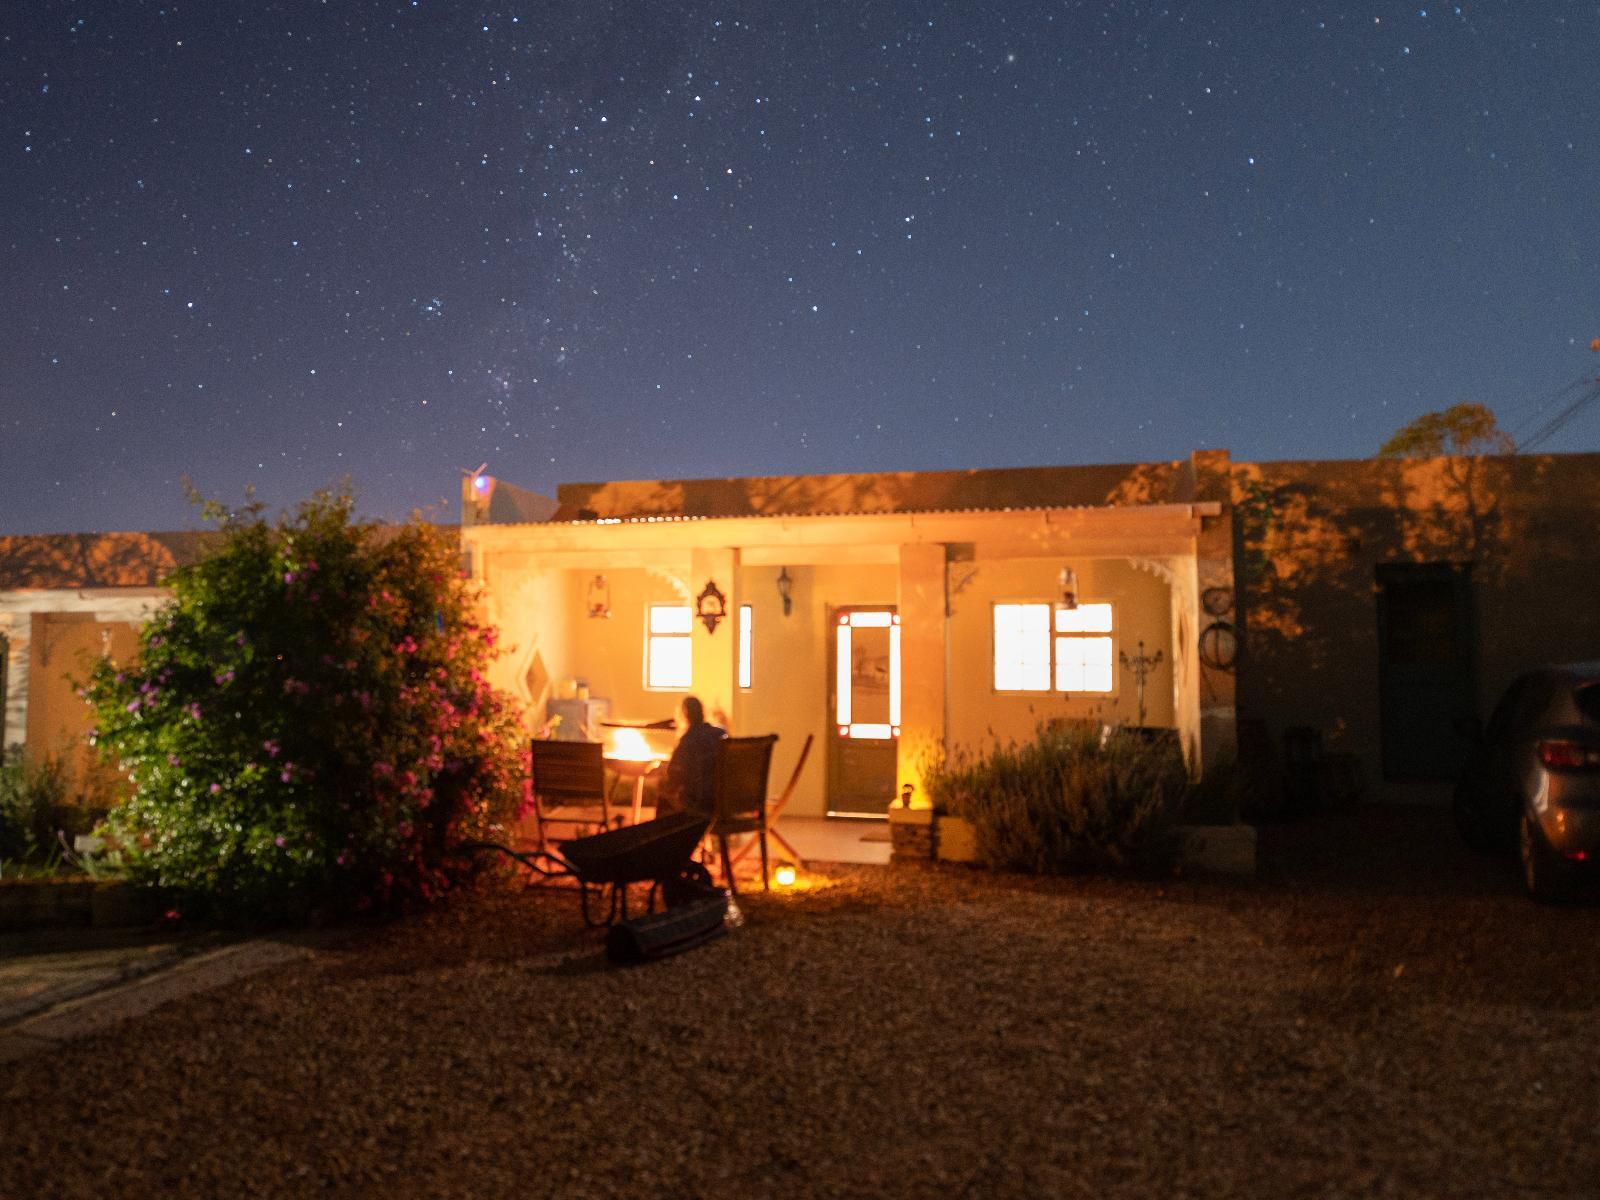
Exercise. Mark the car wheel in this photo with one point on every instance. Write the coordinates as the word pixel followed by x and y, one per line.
pixel 1473 823
pixel 1549 878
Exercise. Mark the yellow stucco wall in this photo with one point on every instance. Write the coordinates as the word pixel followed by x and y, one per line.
pixel 1142 611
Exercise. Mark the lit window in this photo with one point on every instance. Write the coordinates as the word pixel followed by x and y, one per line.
pixel 1083 648
pixel 1036 645
pixel 668 661
pixel 744 646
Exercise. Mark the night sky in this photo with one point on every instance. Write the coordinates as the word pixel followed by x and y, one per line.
pixel 281 243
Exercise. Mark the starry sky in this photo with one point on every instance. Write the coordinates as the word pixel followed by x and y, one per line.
pixel 284 242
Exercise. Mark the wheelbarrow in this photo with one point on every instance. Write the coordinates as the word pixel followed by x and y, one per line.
pixel 658 852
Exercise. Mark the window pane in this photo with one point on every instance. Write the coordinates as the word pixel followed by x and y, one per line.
pixel 744 645
pixel 1022 647
pixel 1083 664
pixel 1086 618
pixel 670 660
pixel 670 618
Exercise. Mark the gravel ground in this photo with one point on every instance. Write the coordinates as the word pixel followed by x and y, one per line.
pixel 1378 1015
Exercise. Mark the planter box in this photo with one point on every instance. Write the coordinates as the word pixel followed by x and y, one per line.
pixel 920 835
pixel 911 834
pixel 956 840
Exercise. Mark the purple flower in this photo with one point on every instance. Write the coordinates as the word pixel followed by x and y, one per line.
pixel 288 577
pixel 238 639
pixel 287 774
pixel 133 705
pixel 272 748
pixel 216 788
pixel 224 677
pixel 194 712
pixel 174 761
pixel 278 842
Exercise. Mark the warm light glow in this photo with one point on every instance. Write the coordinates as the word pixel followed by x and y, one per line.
pixel 894 674
pixel 873 732
pixel 864 620
pixel 630 745
pixel 841 683
pixel 785 876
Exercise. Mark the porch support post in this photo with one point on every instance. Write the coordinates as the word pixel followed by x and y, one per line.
pixel 1214 572
pixel 922 662
pixel 716 654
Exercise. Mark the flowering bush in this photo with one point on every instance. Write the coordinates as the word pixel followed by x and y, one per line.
pixel 308 726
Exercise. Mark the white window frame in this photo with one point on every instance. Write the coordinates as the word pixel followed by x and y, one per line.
pixel 1037 662
pixel 654 638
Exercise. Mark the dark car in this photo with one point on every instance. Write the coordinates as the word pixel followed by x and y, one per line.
pixel 1533 778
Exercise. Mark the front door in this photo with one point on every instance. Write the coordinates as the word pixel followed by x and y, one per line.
pixel 863 709
pixel 1425 669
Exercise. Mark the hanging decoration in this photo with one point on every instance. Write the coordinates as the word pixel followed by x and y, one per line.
pixel 1069 588
pixel 711 606
pixel 599 599
pixel 785 590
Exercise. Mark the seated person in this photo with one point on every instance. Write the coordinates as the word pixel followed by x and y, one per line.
pixel 690 783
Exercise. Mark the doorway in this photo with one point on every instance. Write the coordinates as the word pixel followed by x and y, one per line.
pixel 1425 668
pixel 863 709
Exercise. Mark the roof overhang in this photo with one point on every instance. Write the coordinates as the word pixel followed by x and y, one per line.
pixel 1122 531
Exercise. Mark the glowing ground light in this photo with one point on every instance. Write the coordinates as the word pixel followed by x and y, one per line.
pixel 784 875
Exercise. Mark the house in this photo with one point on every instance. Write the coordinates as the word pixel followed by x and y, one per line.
pixel 1348 611
pixel 66 599
pixel 1351 611
pixel 886 616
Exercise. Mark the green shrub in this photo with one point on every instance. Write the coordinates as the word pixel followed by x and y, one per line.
pixel 33 806
pixel 308 727
pixel 1073 799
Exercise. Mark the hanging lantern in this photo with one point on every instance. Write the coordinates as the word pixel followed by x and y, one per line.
pixel 599 598
pixel 1069 588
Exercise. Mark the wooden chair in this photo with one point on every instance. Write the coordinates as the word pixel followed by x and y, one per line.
pixel 743 764
pixel 569 786
pixel 775 807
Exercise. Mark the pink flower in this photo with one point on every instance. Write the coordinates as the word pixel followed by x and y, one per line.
pixel 216 788
pixel 174 761
pixel 272 748
pixel 278 842
pixel 133 705
pixel 194 712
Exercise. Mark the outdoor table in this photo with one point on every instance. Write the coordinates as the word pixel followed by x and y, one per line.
pixel 636 769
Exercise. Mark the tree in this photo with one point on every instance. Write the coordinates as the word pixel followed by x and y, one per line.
pixel 1460 429
pixel 308 726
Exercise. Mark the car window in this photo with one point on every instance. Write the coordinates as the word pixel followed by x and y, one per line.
pixel 1588 698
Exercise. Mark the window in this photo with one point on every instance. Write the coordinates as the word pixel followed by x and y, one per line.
pixel 744 646
pixel 668 661
pixel 1083 649
pixel 1040 648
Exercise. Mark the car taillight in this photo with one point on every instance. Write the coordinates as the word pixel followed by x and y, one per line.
pixel 1569 755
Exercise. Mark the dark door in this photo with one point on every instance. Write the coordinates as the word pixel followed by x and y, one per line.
pixel 863 709
pixel 1425 668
